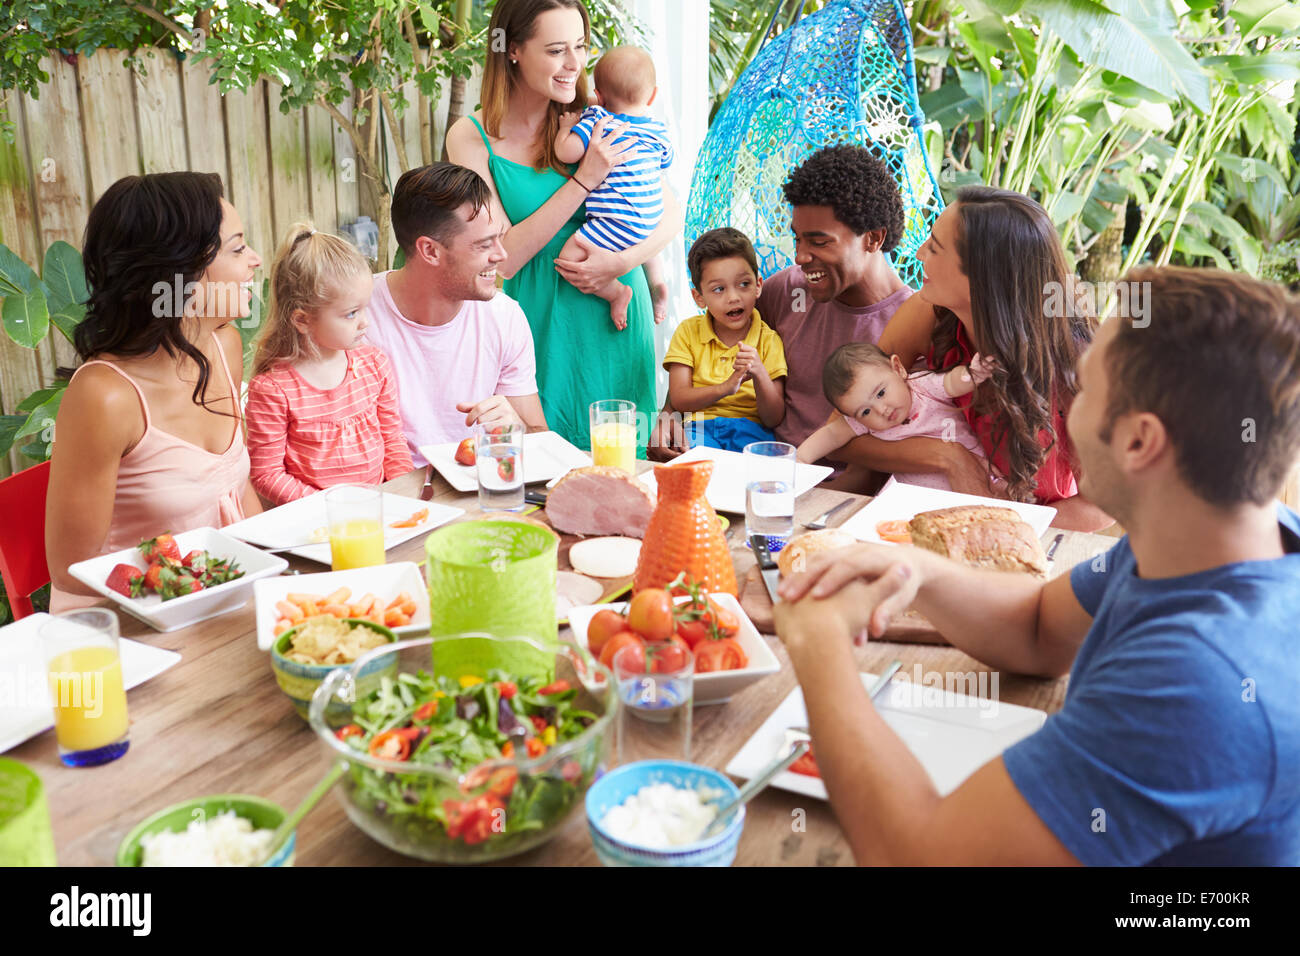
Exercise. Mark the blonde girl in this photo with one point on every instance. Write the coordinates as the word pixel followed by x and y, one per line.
pixel 322 405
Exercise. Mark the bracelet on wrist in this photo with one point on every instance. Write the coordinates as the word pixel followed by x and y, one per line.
pixel 580 183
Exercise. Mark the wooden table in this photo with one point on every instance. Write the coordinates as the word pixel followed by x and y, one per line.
pixel 218 723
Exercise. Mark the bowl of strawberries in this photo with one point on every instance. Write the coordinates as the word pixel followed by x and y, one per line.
pixel 729 652
pixel 172 581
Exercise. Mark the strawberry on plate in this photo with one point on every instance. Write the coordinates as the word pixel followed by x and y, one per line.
pixel 465 454
pixel 127 580
pixel 153 578
pixel 163 546
pixel 196 560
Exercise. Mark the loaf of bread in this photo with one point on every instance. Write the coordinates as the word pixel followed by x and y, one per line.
pixel 981 536
pixel 793 558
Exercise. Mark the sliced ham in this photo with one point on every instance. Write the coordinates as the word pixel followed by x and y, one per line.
pixel 599 500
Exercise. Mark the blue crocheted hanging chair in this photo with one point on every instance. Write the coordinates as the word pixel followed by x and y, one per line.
pixel 842 75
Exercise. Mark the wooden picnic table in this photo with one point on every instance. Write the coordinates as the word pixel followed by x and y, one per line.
pixel 217 722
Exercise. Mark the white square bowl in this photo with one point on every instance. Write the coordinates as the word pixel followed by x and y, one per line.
pixel 192 608
pixel 384 581
pixel 715 687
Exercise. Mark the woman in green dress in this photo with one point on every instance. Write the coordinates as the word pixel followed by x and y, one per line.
pixel 532 78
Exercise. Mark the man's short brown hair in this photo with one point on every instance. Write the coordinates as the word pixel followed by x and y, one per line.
pixel 1217 360
pixel 724 243
pixel 427 197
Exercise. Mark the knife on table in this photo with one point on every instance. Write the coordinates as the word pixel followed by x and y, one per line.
pixel 766 565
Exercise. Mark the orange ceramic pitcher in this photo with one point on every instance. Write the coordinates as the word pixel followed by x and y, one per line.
pixel 684 534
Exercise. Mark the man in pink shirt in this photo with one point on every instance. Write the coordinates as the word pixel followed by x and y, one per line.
pixel 461 349
pixel 846 214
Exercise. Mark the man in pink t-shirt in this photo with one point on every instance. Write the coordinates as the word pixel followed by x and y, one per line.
pixel 846 214
pixel 461 349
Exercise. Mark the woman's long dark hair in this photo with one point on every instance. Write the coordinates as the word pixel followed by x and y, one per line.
pixel 146 234
pixel 1025 315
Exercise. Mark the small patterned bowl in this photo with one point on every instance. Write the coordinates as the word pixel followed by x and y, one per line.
pixel 615 787
pixel 299 681
pixel 263 814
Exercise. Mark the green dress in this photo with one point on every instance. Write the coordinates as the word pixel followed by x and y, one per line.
pixel 581 356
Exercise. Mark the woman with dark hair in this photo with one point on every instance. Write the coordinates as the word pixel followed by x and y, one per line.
pixel 531 81
pixel 149 437
pixel 996 283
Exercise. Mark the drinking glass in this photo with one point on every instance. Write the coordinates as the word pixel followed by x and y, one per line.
pixel 85 673
pixel 356 525
pixel 613 434
pixel 26 838
pixel 501 467
pixel 654 721
pixel 769 492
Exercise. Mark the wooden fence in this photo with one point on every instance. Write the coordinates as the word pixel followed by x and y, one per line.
pixel 97 120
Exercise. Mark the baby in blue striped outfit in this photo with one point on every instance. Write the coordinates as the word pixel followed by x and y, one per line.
pixel 625 209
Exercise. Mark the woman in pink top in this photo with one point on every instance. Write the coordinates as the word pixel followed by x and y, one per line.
pixel 322 407
pixel 148 438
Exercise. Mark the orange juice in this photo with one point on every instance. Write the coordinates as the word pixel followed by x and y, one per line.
pixel 613 444
pixel 358 543
pixel 89 699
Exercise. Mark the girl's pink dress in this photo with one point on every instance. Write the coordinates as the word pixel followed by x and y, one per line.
pixel 302 438
pixel 168 485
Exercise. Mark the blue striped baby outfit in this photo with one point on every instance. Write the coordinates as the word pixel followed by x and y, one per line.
pixel 624 209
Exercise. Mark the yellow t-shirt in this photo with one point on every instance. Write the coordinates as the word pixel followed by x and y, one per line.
pixel 695 344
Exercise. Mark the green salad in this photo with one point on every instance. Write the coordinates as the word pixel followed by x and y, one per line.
pixel 465 729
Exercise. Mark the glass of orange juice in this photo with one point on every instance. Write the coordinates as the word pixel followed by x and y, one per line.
pixel 613 434
pixel 85 673
pixel 356 524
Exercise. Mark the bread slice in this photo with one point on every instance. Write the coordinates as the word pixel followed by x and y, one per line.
pixel 981 536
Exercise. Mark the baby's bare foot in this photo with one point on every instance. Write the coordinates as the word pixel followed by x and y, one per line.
pixel 618 307
pixel 659 300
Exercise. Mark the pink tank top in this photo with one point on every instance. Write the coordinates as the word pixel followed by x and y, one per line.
pixel 166 484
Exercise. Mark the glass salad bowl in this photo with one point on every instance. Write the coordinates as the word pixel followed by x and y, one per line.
pixel 479 758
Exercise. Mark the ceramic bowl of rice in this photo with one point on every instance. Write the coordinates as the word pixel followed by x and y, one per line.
pixel 302 656
pixel 232 829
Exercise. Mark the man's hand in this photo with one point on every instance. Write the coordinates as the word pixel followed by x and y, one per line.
pixel 667 438
pixel 893 574
pixel 491 411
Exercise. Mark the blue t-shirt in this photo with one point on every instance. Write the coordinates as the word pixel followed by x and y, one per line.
pixel 1179 740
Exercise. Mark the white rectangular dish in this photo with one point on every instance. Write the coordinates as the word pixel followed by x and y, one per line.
pixel 547 455
pixel 951 734
pixel 305 520
pixel 25 706
pixel 384 581
pixel 715 687
pixel 192 608
pixel 726 490
pixel 899 501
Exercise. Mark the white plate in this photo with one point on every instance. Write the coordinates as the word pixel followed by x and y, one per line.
pixel 25 706
pixel 547 455
pixel 384 581
pixel 726 490
pixel 899 501
pixel 715 687
pixel 298 520
pixel 951 734
pixel 192 608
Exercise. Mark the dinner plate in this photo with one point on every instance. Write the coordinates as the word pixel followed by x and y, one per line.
pixel 384 581
pixel 547 455
pixel 952 734
pixel 25 706
pixel 726 491
pixel 715 687
pixel 899 501
pixel 190 608
pixel 304 518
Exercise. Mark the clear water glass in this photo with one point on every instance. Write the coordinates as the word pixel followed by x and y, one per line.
pixel 769 492
pixel 500 466
pixel 654 721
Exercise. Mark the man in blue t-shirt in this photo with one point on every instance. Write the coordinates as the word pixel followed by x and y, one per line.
pixel 1179 738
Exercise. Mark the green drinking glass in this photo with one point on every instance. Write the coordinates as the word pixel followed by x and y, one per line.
pixel 26 837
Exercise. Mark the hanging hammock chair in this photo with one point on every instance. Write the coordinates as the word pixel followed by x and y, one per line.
pixel 842 75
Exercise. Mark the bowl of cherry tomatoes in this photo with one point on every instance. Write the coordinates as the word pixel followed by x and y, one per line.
pixel 729 652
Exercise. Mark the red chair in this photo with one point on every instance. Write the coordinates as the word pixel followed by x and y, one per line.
pixel 22 536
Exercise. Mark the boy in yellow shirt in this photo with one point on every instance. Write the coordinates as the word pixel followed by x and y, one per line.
pixel 726 368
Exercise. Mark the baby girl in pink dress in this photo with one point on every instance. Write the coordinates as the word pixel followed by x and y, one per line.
pixel 875 396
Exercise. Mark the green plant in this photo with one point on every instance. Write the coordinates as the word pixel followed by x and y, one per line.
pixel 32 304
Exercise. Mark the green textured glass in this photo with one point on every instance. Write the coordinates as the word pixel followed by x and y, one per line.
pixel 26 838
pixel 497 577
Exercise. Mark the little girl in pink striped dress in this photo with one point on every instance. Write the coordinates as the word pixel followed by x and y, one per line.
pixel 322 406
